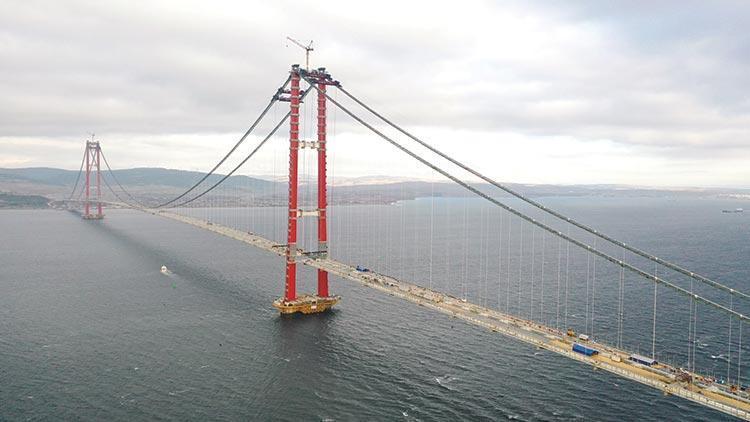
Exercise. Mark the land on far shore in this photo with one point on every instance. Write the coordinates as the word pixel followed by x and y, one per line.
pixel 38 187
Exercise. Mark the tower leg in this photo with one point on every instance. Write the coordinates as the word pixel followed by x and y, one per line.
pixel 290 291
pixel 322 187
pixel 93 157
pixel 87 206
pixel 99 214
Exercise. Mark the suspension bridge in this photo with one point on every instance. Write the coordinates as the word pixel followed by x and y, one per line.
pixel 495 258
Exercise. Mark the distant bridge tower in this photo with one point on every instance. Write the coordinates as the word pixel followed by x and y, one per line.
pixel 93 156
pixel 291 302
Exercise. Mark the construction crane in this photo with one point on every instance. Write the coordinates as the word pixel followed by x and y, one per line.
pixel 308 48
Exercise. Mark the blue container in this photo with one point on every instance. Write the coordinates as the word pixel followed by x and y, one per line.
pixel 579 348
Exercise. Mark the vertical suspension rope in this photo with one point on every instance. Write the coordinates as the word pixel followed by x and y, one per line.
pixel 567 274
pixel 333 183
pixel 531 296
pixel 487 260
pixel 593 292
pixel 361 215
pixel 231 209
pixel 432 216
pixel 466 253
pixel 520 269
pixel 330 213
pixel 690 325
pixel 739 357
pixel 274 222
pixel 541 295
pixel 268 210
pixel 481 254
pixel 378 233
pixel 248 214
pixel 499 258
pixel 653 331
pixel 415 221
pixel 387 211
pixel 695 332
pixel 507 293
pixel 402 203
pixel 559 256
pixel 449 248
pixel 729 346
pixel 588 276
pixel 620 305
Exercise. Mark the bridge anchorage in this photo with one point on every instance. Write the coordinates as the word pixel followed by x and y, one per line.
pixel 292 303
pixel 92 158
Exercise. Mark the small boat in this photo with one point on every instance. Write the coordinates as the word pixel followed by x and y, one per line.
pixel 164 270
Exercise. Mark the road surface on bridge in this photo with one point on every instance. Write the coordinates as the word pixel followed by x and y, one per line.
pixel 663 377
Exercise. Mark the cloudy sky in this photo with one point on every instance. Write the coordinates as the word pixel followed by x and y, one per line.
pixel 644 93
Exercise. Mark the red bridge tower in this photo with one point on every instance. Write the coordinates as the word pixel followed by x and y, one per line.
pixel 93 155
pixel 291 302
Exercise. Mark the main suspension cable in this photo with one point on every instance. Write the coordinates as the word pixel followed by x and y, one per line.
pixel 538 205
pixel 529 219
pixel 80 170
pixel 234 148
pixel 106 183
pixel 270 134
pixel 111 173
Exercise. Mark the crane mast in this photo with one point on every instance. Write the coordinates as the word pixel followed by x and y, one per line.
pixel 308 48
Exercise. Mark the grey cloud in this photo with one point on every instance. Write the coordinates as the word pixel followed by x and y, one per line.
pixel 669 76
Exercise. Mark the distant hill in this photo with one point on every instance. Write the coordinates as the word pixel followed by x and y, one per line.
pixel 54 182
pixel 40 175
pixel 146 176
pixel 156 185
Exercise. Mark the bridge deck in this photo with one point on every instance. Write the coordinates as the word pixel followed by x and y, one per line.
pixel 611 359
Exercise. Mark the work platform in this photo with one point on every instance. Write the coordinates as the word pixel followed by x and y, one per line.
pixel 93 217
pixel 306 304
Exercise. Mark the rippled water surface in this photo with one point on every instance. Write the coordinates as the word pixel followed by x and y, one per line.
pixel 91 330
